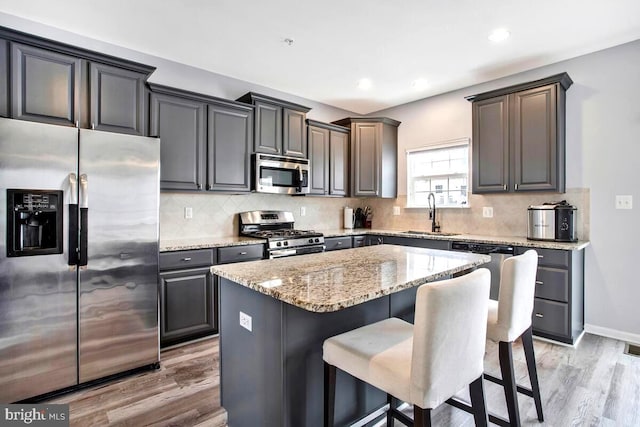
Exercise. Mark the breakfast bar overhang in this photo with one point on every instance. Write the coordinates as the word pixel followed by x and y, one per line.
pixel 275 315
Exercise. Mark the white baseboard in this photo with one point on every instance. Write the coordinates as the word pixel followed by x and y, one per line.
pixel 612 333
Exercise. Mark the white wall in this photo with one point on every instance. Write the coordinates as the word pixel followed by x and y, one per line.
pixel 603 155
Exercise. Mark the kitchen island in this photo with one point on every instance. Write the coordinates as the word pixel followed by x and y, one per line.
pixel 275 315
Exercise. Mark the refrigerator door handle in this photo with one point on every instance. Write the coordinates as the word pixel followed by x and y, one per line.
pixel 84 219
pixel 73 221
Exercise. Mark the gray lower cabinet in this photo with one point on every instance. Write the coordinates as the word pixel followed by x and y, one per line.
pixel 45 85
pixel 203 139
pixel 279 125
pixel 359 241
pixel 240 253
pixel 180 124
pixel 408 241
pixel 558 311
pixel 336 243
pixel 519 137
pixel 118 101
pixel 188 296
pixel 329 158
pixel 374 156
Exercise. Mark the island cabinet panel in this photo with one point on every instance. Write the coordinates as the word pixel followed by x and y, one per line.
pixel 45 85
pixel 180 124
pixel 283 347
pixel 558 311
pixel 519 137
pixel 117 100
pixel 4 78
pixel 230 135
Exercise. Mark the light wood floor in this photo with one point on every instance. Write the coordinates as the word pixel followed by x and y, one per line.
pixel 593 385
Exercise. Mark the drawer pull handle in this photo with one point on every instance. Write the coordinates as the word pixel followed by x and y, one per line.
pixel 339 243
pixel 538 282
pixel 540 256
pixel 539 315
pixel 187 259
pixel 243 253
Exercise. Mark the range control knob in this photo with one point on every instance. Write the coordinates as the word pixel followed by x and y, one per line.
pixel 279 244
pixel 310 240
pixel 317 240
pixel 286 243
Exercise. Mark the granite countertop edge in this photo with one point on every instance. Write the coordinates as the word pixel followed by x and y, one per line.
pixel 218 242
pixel 219 270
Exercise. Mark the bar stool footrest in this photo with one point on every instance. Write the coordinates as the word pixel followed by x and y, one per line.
pixel 493 418
pixel 496 380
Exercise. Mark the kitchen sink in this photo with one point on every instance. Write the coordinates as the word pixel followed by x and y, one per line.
pixel 430 233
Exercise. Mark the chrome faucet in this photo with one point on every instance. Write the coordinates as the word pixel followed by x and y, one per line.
pixel 435 227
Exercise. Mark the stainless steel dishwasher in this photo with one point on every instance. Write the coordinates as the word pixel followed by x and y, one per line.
pixel 498 254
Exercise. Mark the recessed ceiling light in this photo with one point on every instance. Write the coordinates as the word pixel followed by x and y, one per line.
pixel 499 34
pixel 419 84
pixel 289 41
pixel 365 84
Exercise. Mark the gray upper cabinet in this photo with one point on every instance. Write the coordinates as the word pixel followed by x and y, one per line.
pixel 279 127
pixel 229 140
pixel 180 124
pixel 374 156
pixel 203 139
pixel 45 85
pixel 519 137
pixel 117 99
pixel 329 158
pixel 4 78
pixel 55 83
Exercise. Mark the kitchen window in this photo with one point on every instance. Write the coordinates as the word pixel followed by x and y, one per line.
pixel 441 169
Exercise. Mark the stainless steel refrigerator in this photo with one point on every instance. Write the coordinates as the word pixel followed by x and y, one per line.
pixel 78 256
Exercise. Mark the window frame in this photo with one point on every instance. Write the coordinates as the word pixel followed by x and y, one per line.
pixel 458 142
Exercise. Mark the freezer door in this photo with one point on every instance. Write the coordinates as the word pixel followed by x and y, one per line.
pixel 37 293
pixel 118 302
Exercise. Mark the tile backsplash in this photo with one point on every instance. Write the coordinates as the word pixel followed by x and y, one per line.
pixel 215 215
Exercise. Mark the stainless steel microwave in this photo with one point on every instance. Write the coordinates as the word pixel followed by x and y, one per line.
pixel 280 174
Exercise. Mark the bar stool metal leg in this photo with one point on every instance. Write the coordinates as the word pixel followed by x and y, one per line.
pixel 527 343
pixel 329 393
pixel 505 354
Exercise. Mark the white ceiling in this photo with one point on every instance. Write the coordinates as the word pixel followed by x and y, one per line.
pixel 336 43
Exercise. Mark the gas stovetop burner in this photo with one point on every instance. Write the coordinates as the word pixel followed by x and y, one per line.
pixel 276 227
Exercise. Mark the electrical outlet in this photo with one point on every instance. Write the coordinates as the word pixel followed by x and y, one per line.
pixel 303 211
pixel 396 210
pixel 188 213
pixel 245 321
pixel 487 212
pixel 624 202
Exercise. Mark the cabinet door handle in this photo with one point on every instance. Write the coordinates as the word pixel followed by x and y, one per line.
pixel 504 187
pixel 516 186
pixel 187 259
pixel 243 253
pixel 538 282
pixel 539 315
pixel 540 256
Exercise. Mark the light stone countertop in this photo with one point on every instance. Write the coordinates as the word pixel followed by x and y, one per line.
pixel 206 243
pixel 216 242
pixel 331 281
pixel 476 238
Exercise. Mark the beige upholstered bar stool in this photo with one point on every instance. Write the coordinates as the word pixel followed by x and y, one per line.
pixel 425 364
pixel 510 318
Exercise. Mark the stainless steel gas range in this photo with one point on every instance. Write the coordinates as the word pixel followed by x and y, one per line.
pixel 276 227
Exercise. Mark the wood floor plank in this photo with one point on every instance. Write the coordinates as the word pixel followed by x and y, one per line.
pixel 594 384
